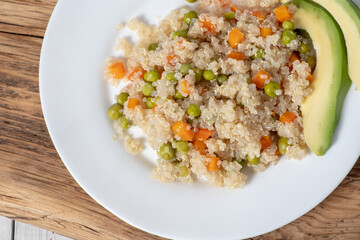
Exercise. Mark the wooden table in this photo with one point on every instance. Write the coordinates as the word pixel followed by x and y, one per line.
pixel 36 188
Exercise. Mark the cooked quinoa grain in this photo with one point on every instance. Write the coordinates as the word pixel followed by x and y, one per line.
pixel 215 90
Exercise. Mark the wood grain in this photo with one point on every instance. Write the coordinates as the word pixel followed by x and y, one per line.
pixel 35 186
pixel 24 231
pixel 25 17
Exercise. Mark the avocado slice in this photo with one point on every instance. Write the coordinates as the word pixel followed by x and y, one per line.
pixel 347 14
pixel 321 110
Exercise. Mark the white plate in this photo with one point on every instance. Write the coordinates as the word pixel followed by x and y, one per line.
pixel 80 36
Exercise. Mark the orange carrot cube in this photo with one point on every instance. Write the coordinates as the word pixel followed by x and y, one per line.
pixel 259 15
pixel 212 165
pixel 264 32
pixel 235 37
pixel 184 130
pixel 265 142
pixel 287 117
pixel 236 55
pixel 117 70
pixel 199 146
pixel 208 25
pixel 132 103
pixel 260 78
pixel 138 72
pixel 282 13
pixel 203 134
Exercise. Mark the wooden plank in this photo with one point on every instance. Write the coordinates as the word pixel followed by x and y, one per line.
pixel 27 232
pixel 28 17
pixel 35 186
pixel 6 228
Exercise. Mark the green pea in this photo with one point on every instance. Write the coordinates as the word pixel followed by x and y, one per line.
pixel 178 95
pixel 198 74
pixel 152 75
pixel 125 123
pixel 122 98
pixel 150 102
pixel 304 48
pixel 243 164
pixel 191 1
pixel 288 36
pixel 249 80
pixel 153 47
pixel 303 33
pixel 209 75
pixel 229 15
pixel 282 145
pixel 287 4
pixel 184 68
pixel 167 152
pixel 190 16
pixel 288 25
pixel 170 77
pixel 275 117
pixel 147 89
pixel 183 170
pixel 222 79
pixel 180 33
pixel 311 61
pixel 182 146
pixel 157 99
pixel 114 112
pixel 253 161
pixel 240 105
pixel 240 161
pixel 194 110
pixel 259 54
pixel 271 88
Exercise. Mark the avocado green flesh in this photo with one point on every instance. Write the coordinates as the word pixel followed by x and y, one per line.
pixel 321 110
pixel 347 14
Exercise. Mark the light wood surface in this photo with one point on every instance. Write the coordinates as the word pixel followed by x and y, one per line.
pixel 6 229
pixel 23 231
pixel 35 186
pixel 14 230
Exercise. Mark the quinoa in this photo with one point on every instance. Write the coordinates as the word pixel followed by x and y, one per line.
pixel 239 116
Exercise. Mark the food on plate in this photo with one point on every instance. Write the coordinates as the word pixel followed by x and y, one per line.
pixel 322 109
pixel 230 86
pixel 347 14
